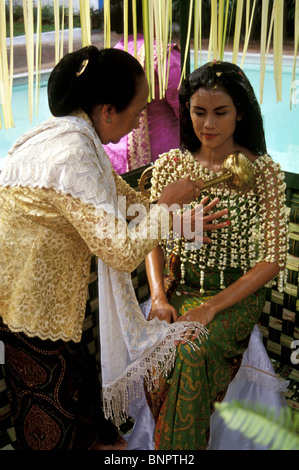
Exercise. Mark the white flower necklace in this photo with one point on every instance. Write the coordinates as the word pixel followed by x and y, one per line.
pixel 254 234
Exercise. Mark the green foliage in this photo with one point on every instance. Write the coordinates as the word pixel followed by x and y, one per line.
pixel 47 19
pixel 261 423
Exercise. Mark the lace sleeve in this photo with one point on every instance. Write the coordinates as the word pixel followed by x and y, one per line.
pixel 132 197
pixel 122 246
pixel 273 212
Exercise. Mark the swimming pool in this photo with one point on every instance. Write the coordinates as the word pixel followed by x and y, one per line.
pixel 281 123
pixel 20 113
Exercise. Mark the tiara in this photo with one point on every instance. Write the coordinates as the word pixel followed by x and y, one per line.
pixel 82 67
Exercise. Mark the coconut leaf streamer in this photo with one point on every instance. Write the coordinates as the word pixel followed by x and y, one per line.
pixel 214 29
pixel 125 17
pixel 134 19
pixel 295 83
pixel 278 47
pixel 71 26
pixel 197 31
pixel 238 23
pixel 263 56
pixel 187 42
pixel 146 36
pixel 225 30
pixel 11 48
pixel 38 54
pixel 85 22
pixel 107 24
pixel 57 27
pixel 249 19
pixel 5 86
pixel 29 34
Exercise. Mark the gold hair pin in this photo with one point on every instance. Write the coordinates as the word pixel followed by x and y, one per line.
pixel 82 67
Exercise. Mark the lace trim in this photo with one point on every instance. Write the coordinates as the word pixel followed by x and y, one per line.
pixel 155 362
pixel 261 377
pixel 75 163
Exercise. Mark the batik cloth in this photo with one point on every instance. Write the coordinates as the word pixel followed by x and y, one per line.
pixel 185 400
pixel 54 392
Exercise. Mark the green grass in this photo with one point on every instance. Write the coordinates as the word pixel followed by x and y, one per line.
pixel 18 27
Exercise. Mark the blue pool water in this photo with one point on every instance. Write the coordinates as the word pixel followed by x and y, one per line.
pixel 281 122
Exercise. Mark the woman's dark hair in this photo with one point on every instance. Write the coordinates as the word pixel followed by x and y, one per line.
pixel 91 76
pixel 232 80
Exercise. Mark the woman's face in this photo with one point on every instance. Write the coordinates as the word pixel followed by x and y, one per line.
pixel 114 125
pixel 213 116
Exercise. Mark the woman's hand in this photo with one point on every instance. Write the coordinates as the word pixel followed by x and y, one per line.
pixel 163 310
pixel 207 221
pixel 180 192
pixel 190 218
pixel 202 314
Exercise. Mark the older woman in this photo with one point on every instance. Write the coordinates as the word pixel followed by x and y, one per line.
pixel 59 205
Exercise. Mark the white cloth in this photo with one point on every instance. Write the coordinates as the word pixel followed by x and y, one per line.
pixel 255 382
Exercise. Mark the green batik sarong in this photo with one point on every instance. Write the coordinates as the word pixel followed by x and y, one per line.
pixel 185 400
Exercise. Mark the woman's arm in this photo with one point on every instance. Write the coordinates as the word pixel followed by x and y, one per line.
pixel 246 285
pixel 273 233
pixel 161 308
pixel 154 262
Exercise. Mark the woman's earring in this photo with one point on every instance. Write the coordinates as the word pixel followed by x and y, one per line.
pixel 109 119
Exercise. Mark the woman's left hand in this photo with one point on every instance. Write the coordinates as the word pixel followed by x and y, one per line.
pixel 202 314
pixel 201 211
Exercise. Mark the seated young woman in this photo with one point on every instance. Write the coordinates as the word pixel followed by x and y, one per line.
pixel 221 284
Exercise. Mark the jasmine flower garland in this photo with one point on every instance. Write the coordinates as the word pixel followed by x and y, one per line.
pixel 258 230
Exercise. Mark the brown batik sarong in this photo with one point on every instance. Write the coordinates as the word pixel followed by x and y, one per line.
pixel 55 394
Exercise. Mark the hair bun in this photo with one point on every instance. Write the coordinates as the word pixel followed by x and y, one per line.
pixel 64 85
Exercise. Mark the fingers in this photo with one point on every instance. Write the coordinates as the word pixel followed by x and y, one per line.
pixel 164 314
pixel 189 335
pixel 211 204
pixel 214 216
pixel 210 227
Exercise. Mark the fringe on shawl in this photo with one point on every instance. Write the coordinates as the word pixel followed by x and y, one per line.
pixel 155 362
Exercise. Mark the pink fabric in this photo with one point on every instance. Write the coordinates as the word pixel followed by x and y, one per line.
pixel 162 115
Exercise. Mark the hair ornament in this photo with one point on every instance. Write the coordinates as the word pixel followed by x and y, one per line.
pixel 215 62
pixel 82 67
pixel 218 74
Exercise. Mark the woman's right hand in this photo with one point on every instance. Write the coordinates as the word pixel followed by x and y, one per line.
pixel 163 310
pixel 180 192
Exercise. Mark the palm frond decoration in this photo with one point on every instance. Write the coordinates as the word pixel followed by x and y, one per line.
pixel 227 18
pixel 29 34
pixel 38 54
pixel 262 424
pixel 296 46
pixel 85 22
pixel 5 76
